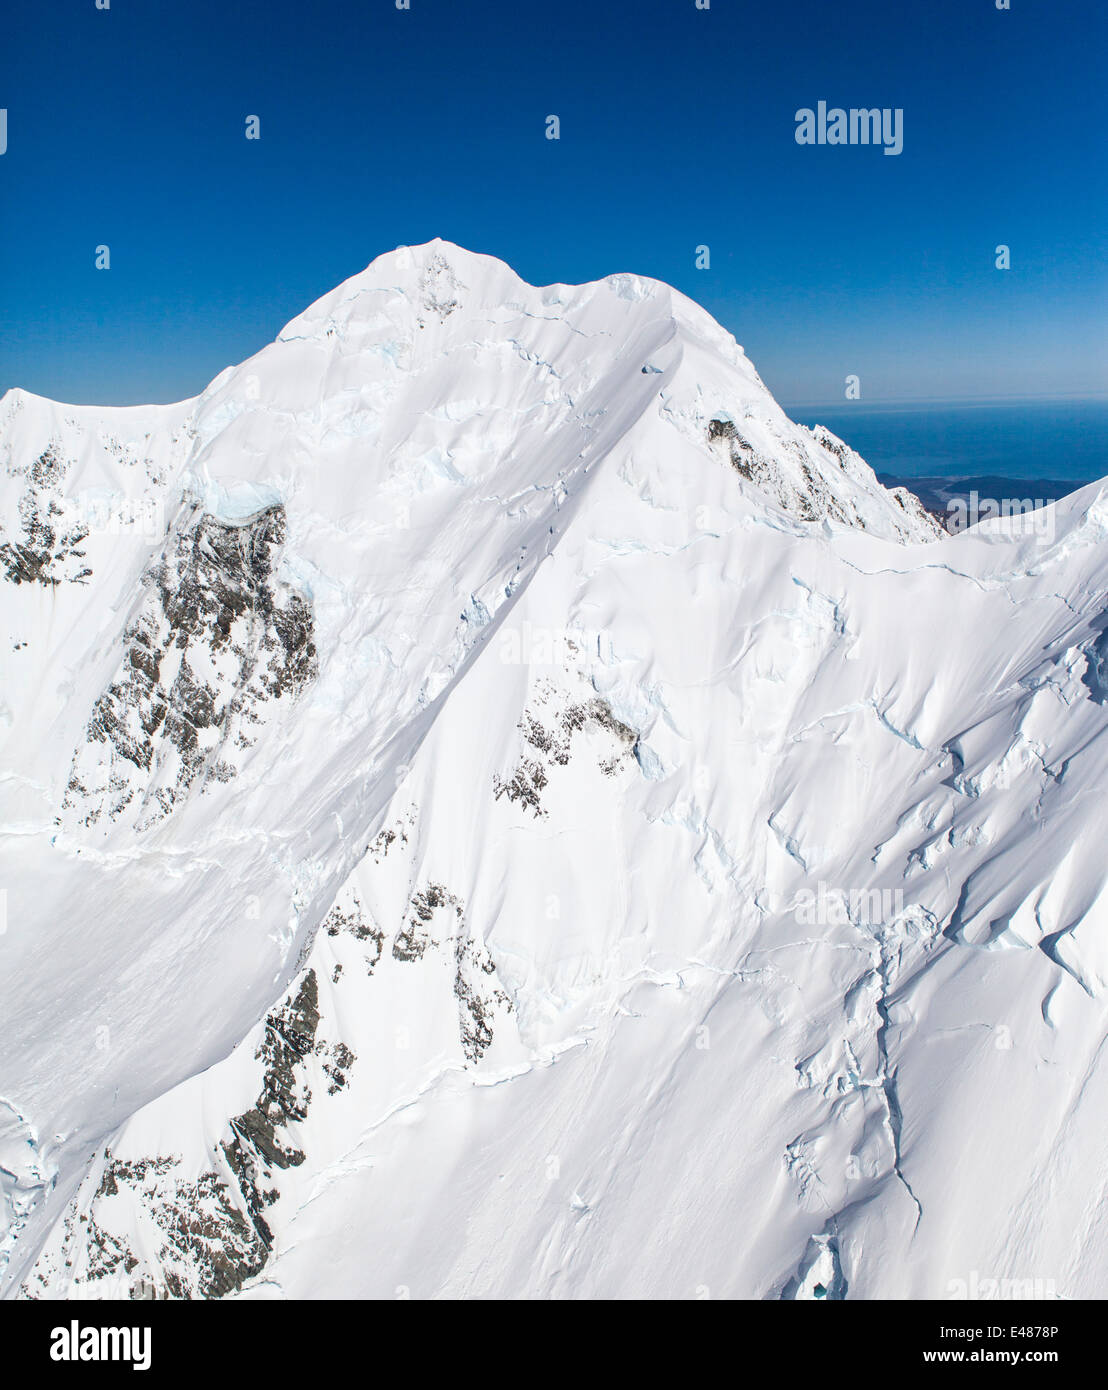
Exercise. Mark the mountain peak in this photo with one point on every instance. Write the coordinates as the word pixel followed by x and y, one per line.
pixel 482 735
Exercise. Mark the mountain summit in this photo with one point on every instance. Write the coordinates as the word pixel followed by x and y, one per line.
pixel 493 808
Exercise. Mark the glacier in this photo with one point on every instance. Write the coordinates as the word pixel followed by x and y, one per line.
pixel 531 821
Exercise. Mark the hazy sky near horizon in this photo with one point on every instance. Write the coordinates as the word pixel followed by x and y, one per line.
pixel 380 126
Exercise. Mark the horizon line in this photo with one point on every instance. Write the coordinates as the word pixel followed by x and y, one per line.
pixel 895 401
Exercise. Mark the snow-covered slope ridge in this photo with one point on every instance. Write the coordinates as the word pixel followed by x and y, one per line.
pixel 490 807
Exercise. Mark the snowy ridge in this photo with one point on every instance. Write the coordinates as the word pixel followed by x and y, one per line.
pixel 533 821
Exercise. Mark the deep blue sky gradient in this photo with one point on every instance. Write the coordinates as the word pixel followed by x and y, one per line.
pixel 382 127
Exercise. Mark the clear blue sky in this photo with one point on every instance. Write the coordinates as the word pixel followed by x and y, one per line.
pixel 382 127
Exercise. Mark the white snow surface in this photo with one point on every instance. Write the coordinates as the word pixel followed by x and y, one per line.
pixel 594 841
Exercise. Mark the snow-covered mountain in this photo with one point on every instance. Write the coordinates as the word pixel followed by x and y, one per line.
pixel 492 808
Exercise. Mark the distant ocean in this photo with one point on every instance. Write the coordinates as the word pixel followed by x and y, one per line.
pixel 1057 444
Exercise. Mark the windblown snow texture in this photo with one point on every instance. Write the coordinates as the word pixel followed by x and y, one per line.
pixel 521 818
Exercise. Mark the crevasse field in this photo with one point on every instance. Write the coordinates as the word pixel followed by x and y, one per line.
pixel 491 808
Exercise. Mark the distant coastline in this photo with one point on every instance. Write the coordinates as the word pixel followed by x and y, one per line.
pixel 1042 448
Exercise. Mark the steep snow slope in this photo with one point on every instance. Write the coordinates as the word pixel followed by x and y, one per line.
pixel 530 820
